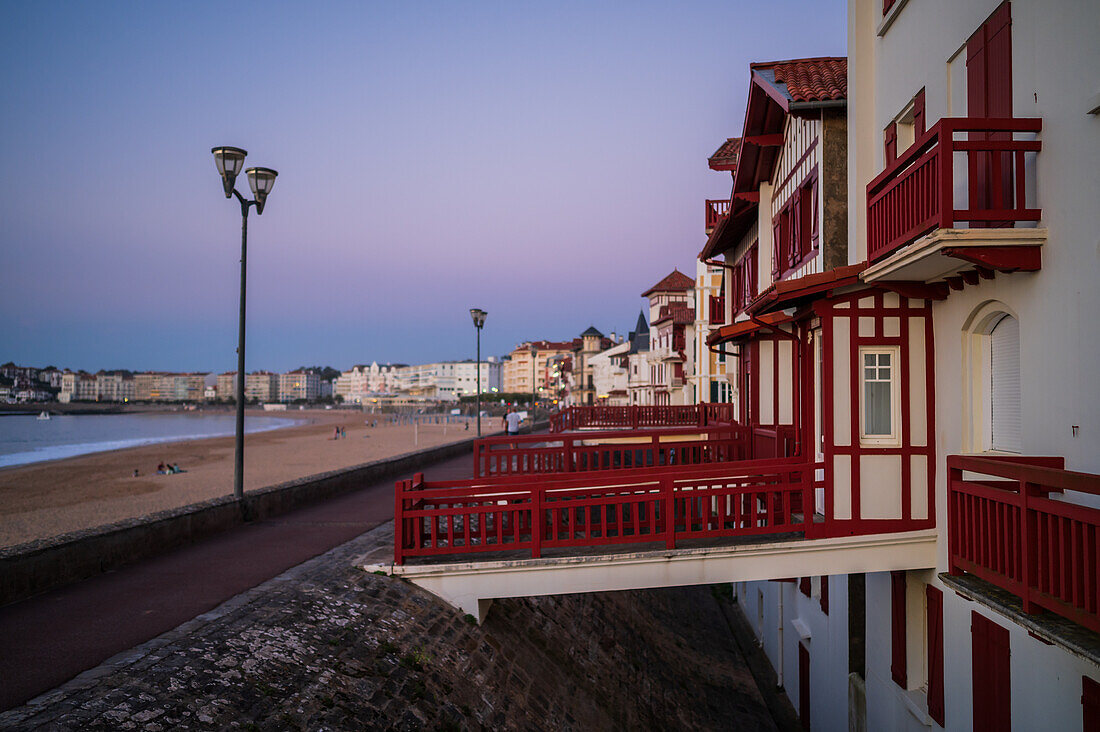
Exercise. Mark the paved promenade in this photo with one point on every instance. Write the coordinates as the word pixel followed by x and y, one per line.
pixel 48 639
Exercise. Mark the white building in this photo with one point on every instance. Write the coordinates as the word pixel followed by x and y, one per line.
pixel 609 375
pixel 295 385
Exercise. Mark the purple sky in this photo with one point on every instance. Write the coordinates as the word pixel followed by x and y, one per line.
pixel 545 162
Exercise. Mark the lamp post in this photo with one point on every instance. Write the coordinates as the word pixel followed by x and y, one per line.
pixel 230 161
pixel 534 358
pixel 479 321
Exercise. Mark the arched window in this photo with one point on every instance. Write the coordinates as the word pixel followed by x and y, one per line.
pixel 1004 363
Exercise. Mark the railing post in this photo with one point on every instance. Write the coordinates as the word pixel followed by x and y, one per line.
pixel 634 417
pixel 670 512
pixel 477 458
pixel 954 476
pixel 398 523
pixel 1027 566
pixel 536 523
pixel 946 156
pixel 568 442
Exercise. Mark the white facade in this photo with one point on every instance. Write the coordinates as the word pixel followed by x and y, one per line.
pixel 609 375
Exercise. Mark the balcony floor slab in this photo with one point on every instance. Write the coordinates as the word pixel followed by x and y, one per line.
pixel 925 261
pixel 472 585
pixel 1048 627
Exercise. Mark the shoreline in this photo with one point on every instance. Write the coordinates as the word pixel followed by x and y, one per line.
pixel 135 442
pixel 45 499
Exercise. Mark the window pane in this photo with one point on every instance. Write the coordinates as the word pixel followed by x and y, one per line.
pixel 876 408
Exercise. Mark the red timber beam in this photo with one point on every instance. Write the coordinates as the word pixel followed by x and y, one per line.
pixel 1003 259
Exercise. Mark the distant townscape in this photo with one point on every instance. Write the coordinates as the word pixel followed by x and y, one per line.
pixel 652 364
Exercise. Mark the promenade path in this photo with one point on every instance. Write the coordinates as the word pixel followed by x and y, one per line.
pixel 50 638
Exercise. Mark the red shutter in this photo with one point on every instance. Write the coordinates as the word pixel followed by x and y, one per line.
pixel 824 597
pixel 989 94
pixel 809 216
pixel 804 686
pixel 752 280
pixel 794 217
pixel 935 654
pixel 804 585
pixel 990 675
pixel 897 628
pixel 777 247
pixel 919 125
pixel 891 142
pixel 1090 704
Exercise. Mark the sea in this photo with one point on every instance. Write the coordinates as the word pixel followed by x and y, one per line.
pixel 26 439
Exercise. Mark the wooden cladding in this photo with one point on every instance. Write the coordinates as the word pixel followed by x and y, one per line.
pixel 934 598
pixel 897 629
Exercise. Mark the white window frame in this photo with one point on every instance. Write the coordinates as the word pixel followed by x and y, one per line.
pixel 894 438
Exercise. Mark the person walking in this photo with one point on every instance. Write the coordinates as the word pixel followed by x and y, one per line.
pixel 512 421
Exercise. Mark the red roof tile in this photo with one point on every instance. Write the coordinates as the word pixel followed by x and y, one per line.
pixel 725 157
pixel 677 281
pixel 814 80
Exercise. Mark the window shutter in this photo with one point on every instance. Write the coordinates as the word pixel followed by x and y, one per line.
pixel 777 247
pixel 794 216
pixel 991 680
pixel 753 263
pixel 824 596
pixel 1005 374
pixel 897 628
pixel 935 654
pixel 918 116
pixel 1090 703
pixel 891 143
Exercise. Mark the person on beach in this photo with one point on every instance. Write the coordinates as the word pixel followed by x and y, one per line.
pixel 343 432
pixel 160 468
pixel 336 433
pixel 136 473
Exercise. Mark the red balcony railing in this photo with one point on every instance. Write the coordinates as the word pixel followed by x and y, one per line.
pixel 915 194
pixel 591 451
pixel 637 416
pixel 717 209
pixel 716 310
pixel 666 505
pixel 1005 529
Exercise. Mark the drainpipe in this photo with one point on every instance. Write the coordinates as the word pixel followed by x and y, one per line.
pixel 779 639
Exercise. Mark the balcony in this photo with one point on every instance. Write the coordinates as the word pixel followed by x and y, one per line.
pixel 716 309
pixel 635 417
pixel 610 450
pixel 916 232
pixel 717 209
pixel 1006 527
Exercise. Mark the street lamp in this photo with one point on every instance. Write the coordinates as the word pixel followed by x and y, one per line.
pixel 230 161
pixel 534 358
pixel 479 322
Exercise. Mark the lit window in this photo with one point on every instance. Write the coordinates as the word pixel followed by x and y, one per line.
pixel 879 395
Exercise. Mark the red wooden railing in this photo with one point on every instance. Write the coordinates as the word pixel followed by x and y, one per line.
pixel 666 505
pixel 1007 531
pixel 570 453
pixel 717 209
pixel 637 416
pixel 716 310
pixel 915 194
pixel 773 442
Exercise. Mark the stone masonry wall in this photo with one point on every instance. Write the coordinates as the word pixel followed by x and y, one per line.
pixel 327 646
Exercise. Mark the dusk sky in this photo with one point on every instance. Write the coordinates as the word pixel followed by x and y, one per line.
pixel 543 161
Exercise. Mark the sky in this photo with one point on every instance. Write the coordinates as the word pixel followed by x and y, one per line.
pixel 544 161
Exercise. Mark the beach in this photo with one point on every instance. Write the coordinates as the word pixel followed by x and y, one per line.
pixel 45 499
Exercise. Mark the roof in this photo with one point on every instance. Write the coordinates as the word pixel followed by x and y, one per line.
pixel 678 313
pixel 676 281
pixel 592 332
pixel 745 329
pixel 725 157
pixel 789 293
pixel 814 79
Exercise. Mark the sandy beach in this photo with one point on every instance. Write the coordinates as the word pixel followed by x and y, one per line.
pixel 50 498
